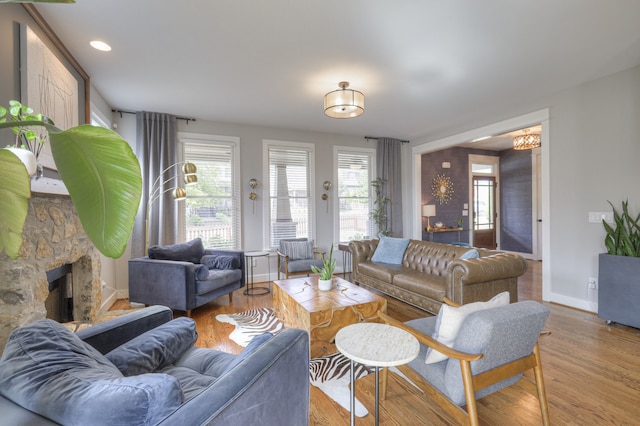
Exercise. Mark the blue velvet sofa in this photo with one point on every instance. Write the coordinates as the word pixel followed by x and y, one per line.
pixel 143 369
pixel 185 276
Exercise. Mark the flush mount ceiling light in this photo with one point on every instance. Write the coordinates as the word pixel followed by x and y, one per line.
pixel 526 141
pixel 100 45
pixel 343 103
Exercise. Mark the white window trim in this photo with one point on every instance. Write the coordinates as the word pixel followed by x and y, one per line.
pixel 234 142
pixel 266 211
pixel 372 173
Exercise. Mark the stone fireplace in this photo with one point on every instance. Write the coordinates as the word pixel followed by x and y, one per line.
pixel 52 238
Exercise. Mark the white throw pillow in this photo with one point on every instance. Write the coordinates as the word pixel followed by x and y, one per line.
pixel 450 320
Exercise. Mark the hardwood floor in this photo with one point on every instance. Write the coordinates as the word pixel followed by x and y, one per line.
pixel 591 370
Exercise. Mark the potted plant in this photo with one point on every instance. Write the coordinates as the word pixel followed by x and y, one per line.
pixel 379 212
pixel 619 269
pixel 28 141
pixel 326 273
pixel 101 174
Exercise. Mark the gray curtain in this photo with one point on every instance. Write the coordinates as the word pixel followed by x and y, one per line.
pixel 156 141
pixel 388 167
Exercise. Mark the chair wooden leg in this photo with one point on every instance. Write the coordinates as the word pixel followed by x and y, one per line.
pixel 231 297
pixel 189 313
pixel 542 393
pixel 469 392
pixel 383 376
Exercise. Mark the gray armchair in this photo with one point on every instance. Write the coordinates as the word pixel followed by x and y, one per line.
pixel 185 276
pixel 491 351
pixel 296 256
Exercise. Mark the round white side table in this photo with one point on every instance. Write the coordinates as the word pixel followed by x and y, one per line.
pixel 377 345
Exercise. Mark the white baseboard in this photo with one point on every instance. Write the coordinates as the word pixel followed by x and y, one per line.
pixel 573 302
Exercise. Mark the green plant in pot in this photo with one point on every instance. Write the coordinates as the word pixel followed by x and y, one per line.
pixel 27 138
pixel 619 269
pixel 326 273
pixel 379 212
pixel 100 172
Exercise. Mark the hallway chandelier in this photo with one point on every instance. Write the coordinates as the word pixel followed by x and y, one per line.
pixel 343 103
pixel 526 141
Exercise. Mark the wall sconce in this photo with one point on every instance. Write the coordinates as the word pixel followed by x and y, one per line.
pixel 446 165
pixel 178 193
pixel 428 211
pixel 253 183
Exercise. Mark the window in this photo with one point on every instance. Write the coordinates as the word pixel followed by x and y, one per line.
pixel 212 207
pixel 290 209
pixel 354 193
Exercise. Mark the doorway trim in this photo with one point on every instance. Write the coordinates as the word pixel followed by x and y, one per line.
pixel 536 117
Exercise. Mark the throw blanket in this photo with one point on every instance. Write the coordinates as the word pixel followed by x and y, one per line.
pixel 330 374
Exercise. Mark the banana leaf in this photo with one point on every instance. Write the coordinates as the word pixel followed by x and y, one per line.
pixel 102 175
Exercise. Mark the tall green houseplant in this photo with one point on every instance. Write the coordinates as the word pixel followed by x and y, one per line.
pixel 101 173
pixel 619 269
pixel 380 207
pixel 623 239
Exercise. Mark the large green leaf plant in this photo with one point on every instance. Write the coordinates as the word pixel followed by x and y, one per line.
pixel 101 173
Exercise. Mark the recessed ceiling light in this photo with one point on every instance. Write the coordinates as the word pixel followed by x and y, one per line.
pixel 100 45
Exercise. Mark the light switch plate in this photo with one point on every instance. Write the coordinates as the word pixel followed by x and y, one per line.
pixel 597 217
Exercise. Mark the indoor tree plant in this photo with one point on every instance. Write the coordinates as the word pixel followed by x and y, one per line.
pixel 326 273
pixel 101 173
pixel 619 269
pixel 379 212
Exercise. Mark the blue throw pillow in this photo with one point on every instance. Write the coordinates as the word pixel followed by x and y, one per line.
pixel 47 369
pixel 190 251
pixel 390 250
pixel 220 261
pixel 202 272
pixel 470 254
pixel 155 349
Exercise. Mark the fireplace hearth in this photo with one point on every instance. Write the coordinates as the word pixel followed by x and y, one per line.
pixel 53 240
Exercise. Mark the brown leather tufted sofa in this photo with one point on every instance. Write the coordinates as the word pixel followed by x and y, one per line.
pixel 432 271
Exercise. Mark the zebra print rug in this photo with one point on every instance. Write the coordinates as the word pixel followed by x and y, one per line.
pixel 329 373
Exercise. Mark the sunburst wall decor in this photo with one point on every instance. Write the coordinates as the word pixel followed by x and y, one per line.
pixel 442 188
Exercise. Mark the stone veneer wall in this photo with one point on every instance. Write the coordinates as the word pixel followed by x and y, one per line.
pixel 52 236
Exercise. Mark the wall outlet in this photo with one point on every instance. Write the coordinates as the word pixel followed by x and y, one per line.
pixel 593 283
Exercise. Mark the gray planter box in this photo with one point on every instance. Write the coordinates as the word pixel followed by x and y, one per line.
pixel 619 289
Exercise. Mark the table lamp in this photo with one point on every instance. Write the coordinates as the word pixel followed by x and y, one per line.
pixel 428 210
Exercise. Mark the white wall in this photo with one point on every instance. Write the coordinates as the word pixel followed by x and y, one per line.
pixel 593 152
pixel 251 166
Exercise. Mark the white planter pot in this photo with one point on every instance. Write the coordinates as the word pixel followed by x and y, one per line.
pixel 324 284
pixel 27 157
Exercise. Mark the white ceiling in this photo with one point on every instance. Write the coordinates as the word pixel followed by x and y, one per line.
pixel 424 65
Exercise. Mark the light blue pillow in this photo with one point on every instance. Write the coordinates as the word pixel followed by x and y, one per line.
pixel 390 250
pixel 470 254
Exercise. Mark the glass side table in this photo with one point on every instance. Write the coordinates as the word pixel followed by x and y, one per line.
pixel 252 290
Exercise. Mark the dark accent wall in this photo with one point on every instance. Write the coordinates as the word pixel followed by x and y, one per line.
pixel 459 174
pixel 514 186
pixel 516 174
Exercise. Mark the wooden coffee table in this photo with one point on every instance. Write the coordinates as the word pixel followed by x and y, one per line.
pixel 299 303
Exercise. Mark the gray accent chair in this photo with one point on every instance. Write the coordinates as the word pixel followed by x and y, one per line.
pixel 289 264
pixel 181 285
pixel 491 351
pixel 267 383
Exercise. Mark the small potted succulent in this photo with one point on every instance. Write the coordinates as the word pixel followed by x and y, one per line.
pixel 326 273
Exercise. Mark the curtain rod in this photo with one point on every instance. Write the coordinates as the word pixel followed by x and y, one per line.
pixel 121 111
pixel 376 138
